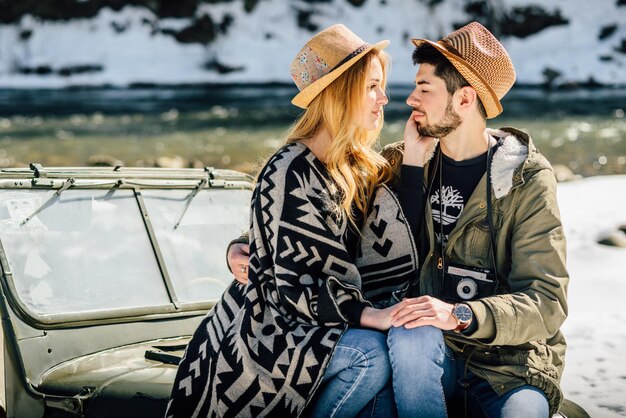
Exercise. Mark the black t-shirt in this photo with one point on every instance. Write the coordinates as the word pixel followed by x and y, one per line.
pixel 456 182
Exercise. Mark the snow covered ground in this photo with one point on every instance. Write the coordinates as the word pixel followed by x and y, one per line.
pixel 595 369
pixel 132 45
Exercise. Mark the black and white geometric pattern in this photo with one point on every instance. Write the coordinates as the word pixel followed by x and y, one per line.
pixel 387 259
pixel 263 349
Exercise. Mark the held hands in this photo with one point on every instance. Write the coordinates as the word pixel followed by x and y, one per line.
pixel 238 256
pixel 379 319
pixel 416 147
pixel 424 310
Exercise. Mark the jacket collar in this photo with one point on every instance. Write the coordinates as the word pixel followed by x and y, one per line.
pixel 510 161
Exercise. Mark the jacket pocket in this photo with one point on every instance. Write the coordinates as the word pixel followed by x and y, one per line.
pixel 499 356
pixel 541 358
pixel 476 241
pixel 474 246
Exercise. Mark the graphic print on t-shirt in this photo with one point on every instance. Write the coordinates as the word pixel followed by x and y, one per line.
pixel 451 204
pixel 450 194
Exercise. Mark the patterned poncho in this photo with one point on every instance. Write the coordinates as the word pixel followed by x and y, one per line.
pixel 262 350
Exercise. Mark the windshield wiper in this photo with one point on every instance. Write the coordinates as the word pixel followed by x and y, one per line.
pixel 66 185
pixel 189 199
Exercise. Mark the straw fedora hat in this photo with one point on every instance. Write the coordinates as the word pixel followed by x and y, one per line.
pixel 325 57
pixel 482 61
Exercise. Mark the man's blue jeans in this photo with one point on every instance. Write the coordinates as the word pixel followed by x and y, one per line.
pixel 428 382
pixel 357 371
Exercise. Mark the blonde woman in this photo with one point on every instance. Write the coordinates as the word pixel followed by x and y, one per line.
pixel 305 333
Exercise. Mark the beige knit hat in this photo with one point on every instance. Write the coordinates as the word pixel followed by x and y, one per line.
pixel 482 61
pixel 325 57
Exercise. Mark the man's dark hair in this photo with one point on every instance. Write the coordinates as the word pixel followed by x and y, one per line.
pixel 428 54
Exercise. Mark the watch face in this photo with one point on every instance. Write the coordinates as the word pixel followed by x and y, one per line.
pixel 463 313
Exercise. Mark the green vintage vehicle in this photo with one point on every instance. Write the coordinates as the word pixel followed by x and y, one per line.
pixel 106 273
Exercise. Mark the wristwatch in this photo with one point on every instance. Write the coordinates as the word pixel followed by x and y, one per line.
pixel 463 315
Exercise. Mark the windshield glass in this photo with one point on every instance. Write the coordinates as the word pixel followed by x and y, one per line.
pixel 86 250
pixel 195 252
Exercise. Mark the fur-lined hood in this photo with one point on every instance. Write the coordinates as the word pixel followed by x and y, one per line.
pixel 515 160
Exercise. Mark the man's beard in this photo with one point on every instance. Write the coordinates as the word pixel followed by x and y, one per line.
pixel 451 121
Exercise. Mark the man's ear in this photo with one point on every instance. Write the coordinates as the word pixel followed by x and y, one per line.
pixel 467 97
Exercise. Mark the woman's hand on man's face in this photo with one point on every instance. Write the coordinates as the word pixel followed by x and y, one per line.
pixel 416 147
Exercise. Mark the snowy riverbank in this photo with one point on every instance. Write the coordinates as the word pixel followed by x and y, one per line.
pixel 595 370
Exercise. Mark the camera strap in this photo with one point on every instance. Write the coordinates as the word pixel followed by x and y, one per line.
pixel 491 149
pixel 443 253
pixel 492 232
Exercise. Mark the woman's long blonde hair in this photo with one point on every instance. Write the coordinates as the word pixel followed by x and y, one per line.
pixel 351 160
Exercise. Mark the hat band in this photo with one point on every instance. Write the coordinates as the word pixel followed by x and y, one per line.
pixel 451 48
pixel 351 55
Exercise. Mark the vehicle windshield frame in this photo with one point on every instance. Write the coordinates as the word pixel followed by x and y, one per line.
pixel 152 180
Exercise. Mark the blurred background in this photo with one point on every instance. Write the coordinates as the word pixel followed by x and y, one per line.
pixel 206 82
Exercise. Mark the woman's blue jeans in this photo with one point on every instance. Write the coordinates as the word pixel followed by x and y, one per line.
pixel 428 381
pixel 357 371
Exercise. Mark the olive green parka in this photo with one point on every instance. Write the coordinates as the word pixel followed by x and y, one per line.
pixel 518 340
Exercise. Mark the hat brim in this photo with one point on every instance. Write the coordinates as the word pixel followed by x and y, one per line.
pixel 487 96
pixel 306 96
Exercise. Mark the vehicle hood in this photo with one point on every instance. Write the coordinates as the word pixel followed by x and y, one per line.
pixel 127 381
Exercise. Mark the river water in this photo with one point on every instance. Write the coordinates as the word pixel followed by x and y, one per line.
pixel 238 126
